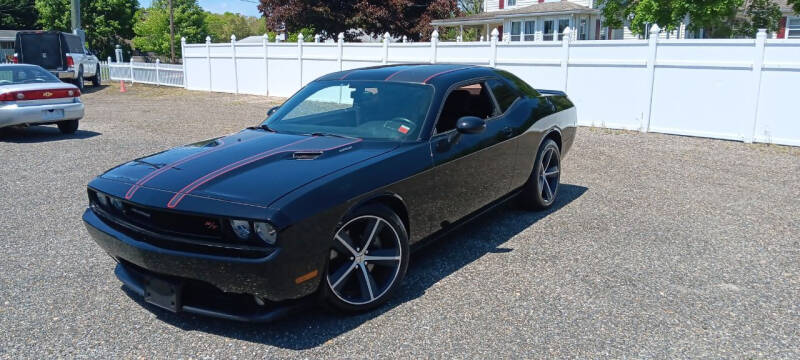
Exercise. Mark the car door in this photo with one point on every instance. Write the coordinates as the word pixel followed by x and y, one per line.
pixel 471 170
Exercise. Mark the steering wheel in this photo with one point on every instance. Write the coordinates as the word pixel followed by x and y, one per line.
pixel 400 125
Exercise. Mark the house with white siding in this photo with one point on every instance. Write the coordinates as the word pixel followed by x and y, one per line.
pixel 544 20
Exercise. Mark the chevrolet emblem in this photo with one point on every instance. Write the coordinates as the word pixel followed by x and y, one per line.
pixel 47 94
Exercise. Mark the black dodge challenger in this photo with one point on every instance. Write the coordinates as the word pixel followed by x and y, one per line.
pixel 325 197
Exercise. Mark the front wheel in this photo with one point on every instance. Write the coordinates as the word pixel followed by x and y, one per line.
pixel 542 187
pixel 367 261
pixel 68 126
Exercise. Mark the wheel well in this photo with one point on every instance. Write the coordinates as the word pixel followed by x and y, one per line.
pixel 555 136
pixel 396 204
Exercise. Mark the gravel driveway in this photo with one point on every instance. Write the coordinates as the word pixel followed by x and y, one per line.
pixel 660 246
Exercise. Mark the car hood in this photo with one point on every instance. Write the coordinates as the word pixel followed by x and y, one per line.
pixel 252 167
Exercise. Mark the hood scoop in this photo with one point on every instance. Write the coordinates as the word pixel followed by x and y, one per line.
pixel 306 155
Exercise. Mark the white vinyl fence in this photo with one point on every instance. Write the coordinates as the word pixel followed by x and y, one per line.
pixel 139 72
pixel 743 89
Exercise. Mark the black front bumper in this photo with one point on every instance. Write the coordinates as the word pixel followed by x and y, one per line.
pixel 271 278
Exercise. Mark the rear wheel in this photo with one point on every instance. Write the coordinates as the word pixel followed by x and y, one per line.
pixel 96 80
pixel 79 81
pixel 367 261
pixel 68 126
pixel 541 190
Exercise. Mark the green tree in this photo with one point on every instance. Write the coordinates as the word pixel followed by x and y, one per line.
pixel 106 22
pixel 222 26
pixel 152 26
pixel 759 14
pixel 17 14
pixel 795 5
pixel 668 14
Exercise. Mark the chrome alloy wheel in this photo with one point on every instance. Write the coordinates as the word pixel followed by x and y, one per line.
pixel 549 175
pixel 365 260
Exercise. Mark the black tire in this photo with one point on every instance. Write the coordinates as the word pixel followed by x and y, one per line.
pixel 96 79
pixel 79 81
pixel 68 126
pixel 541 190
pixel 357 275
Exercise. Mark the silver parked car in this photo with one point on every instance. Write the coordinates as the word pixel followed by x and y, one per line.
pixel 31 95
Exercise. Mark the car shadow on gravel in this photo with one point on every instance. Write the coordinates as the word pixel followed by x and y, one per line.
pixel 39 134
pixel 88 88
pixel 313 326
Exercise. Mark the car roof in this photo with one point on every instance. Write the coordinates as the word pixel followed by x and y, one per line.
pixel 18 65
pixel 413 73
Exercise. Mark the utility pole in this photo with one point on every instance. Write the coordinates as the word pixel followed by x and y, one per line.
pixel 171 34
pixel 75 19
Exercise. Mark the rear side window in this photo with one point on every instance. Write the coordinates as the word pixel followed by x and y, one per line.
pixel 520 84
pixel 73 44
pixel 504 93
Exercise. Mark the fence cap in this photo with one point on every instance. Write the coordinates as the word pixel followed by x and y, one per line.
pixel 341 36
pixel 183 40
pixel 208 39
pixel 655 29
pixel 435 34
pixel 233 37
pixel 495 33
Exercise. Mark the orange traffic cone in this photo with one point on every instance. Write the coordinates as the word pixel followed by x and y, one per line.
pixel 122 86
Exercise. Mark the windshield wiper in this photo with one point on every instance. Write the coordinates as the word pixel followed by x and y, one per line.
pixel 266 127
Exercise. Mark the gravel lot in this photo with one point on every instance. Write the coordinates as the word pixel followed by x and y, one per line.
pixel 660 246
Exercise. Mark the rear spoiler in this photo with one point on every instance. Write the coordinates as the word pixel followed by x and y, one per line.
pixel 551 92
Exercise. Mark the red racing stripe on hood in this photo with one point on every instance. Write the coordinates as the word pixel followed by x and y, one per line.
pixel 176 199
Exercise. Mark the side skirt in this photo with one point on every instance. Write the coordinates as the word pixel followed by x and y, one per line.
pixel 430 239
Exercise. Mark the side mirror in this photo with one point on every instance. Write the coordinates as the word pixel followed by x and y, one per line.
pixel 272 111
pixel 471 125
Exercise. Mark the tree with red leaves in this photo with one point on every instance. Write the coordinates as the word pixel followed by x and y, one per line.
pixel 397 17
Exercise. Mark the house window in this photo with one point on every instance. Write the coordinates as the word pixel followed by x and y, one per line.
pixel 530 30
pixel 793 28
pixel 516 28
pixel 512 2
pixel 562 25
pixel 549 26
pixel 583 30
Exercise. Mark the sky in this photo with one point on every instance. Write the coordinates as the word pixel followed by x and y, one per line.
pixel 220 6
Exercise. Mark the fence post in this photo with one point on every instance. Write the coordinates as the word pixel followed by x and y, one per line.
pixel 652 52
pixel 183 60
pixel 316 38
pixel 131 66
pixel 265 41
pixel 208 59
pixel 405 39
pixel 385 59
pixel 158 81
pixel 758 64
pixel 108 68
pixel 434 43
pixel 565 40
pixel 340 45
pixel 493 45
pixel 235 66
pixel 300 56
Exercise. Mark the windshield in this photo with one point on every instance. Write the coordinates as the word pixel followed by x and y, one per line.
pixel 12 75
pixel 366 109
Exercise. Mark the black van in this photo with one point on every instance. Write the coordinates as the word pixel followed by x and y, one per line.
pixel 62 54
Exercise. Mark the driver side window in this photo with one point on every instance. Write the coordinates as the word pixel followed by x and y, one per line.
pixel 466 100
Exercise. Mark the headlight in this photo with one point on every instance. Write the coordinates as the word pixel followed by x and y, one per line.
pixel 102 199
pixel 266 232
pixel 241 228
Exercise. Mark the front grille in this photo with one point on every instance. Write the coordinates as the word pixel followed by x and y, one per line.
pixel 177 231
